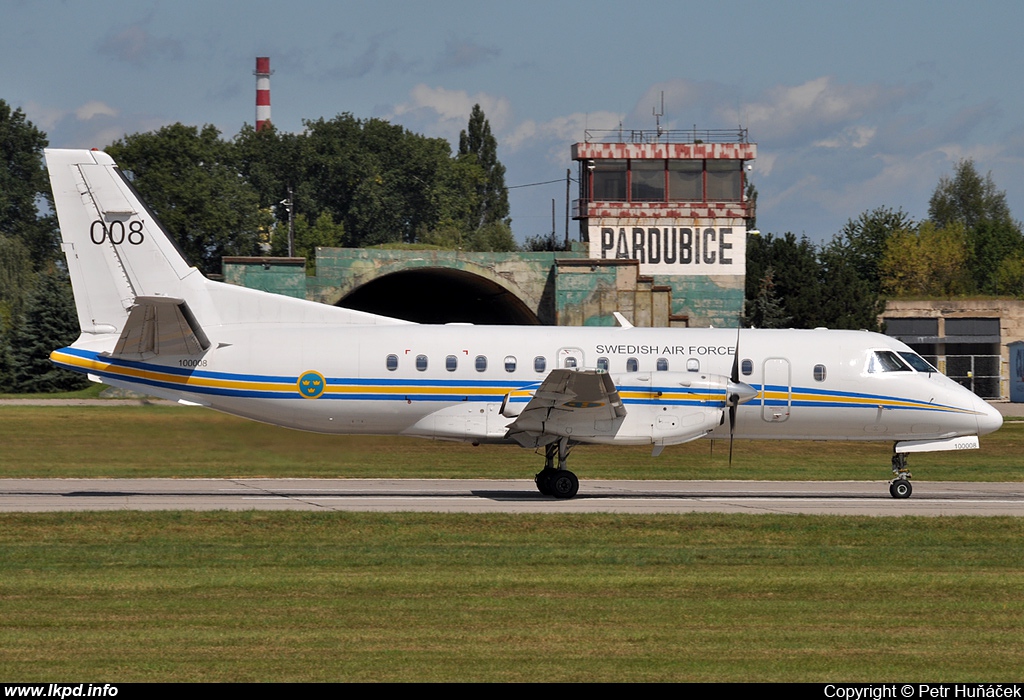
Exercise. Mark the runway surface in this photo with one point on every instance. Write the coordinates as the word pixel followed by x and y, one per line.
pixel 509 496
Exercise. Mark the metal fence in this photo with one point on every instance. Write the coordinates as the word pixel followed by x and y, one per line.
pixel 982 374
pixel 694 135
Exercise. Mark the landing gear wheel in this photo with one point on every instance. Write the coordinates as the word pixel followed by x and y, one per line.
pixel 543 481
pixel 900 488
pixel 563 484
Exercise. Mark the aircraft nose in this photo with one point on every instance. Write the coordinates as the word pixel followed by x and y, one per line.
pixel 989 419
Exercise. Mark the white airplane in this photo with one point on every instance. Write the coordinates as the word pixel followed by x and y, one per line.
pixel 152 323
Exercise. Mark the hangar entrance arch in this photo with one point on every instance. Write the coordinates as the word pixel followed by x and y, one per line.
pixel 440 295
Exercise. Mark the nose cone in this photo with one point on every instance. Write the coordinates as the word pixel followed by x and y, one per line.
pixel 989 419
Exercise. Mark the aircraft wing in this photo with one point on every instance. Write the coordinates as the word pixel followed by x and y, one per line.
pixel 567 402
pixel 160 326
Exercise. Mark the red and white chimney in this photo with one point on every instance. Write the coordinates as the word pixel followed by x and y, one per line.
pixel 262 74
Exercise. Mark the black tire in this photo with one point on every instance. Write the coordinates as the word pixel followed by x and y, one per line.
pixel 543 481
pixel 564 484
pixel 900 488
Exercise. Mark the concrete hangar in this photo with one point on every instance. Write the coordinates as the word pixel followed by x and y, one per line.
pixel 662 239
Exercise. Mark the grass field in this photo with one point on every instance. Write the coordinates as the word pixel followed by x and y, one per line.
pixel 421 597
pixel 174 441
pixel 273 596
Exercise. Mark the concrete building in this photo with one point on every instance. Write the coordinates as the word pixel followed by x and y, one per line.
pixel 967 339
pixel 674 203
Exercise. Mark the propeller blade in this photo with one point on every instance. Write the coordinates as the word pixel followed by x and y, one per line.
pixel 733 399
pixel 732 429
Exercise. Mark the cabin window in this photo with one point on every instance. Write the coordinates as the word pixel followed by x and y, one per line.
pixel 539 364
pixel 481 363
pixel 570 363
pixel 421 363
pixel 451 363
pixel 693 365
pixel 392 363
pixel 886 361
pixel 747 367
pixel 632 364
pixel 510 363
pixel 662 364
pixel 819 373
pixel 602 364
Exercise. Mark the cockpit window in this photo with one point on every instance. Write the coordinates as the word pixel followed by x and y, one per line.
pixel 886 361
pixel 918 362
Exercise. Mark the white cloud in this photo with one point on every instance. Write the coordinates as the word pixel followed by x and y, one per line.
pixel 819 109
pixel 560 131
pixel 850 137
pixel 42 116
pixel 446 112
pixel 95 108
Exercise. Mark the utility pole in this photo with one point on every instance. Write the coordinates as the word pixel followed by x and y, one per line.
pixel 289 205
pixel 568 178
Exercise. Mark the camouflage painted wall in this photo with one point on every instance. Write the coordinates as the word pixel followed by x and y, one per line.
pixel 565 288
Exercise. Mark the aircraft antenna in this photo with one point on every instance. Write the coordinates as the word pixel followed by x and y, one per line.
pixel 659 114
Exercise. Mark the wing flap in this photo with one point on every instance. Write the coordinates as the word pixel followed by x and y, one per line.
pixel 567 403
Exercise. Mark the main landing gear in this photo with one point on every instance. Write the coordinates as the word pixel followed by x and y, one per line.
pixel 557 481
pixel 900 486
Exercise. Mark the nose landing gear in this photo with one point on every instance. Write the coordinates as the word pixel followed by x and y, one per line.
pixel 900 486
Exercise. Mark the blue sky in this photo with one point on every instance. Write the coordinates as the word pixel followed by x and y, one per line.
pixel 853 105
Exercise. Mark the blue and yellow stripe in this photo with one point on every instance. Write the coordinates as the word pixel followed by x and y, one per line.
pixel 235 385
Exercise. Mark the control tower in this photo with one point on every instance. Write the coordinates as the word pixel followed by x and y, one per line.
pixel 672 200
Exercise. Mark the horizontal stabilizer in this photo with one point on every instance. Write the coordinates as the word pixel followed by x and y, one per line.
pixel 160 326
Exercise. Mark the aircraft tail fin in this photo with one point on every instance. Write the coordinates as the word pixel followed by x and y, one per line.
pixel 116 250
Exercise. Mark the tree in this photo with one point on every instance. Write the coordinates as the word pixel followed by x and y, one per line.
pixel 23 182
pixel 1009 276
pixel 862 241
pixel 384 183
pixel 322 233
pixel 751 198
pixel 477 145
pixel 49 322
pixel 931 261
pixel 974 203
pixel 847 298
pixel 495 237
pixel 795 275
pixel 192 183
pixel 15 279
pixel 765 310
pixel 967 198
pixel 793 282
pixel 544 242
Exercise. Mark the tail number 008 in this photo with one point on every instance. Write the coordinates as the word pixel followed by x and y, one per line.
pixel 116 232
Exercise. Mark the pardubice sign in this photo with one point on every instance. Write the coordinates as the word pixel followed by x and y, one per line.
pixel 667 247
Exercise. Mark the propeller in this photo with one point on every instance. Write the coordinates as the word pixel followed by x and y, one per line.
pixel 736 392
